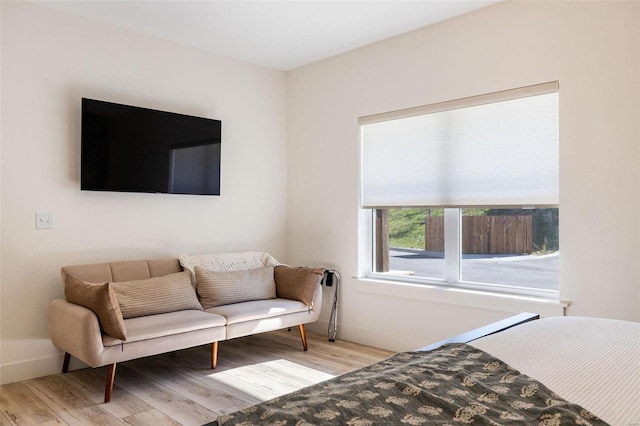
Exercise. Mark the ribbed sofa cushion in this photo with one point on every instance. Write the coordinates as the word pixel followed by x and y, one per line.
pixel 158 295
pixel 222 288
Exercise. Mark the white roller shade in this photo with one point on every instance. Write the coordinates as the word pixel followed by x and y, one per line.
pixel 493 150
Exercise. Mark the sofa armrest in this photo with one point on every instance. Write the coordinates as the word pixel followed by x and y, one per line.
pixel 75 330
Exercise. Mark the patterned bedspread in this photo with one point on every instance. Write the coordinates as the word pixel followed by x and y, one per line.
pixel 454 384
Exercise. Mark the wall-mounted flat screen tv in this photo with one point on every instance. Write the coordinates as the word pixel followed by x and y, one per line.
pixel 132 149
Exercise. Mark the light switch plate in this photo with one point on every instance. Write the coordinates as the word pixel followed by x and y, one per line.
pixel 44 221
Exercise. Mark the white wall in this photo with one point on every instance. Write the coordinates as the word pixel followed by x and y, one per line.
pixel 591 48
pixel 49 61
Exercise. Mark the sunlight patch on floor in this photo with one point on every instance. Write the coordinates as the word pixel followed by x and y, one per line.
pixel 270 379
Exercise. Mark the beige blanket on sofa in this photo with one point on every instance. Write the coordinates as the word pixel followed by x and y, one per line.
pixel 228 262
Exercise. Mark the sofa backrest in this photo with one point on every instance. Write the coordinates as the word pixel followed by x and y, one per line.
pixel 122 271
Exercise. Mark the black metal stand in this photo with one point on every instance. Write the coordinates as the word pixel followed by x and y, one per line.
pixel 332 279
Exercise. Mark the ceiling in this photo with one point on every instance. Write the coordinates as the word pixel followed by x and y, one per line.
pixel 277 34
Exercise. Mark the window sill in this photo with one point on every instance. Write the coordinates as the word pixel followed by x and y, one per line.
pixel 461 297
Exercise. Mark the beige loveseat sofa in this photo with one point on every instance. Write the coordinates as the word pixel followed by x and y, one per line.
pixel 79 331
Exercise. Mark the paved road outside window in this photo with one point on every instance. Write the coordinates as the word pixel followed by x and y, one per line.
pixel 533 271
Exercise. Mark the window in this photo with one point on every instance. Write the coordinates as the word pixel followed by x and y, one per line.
pixel 465 193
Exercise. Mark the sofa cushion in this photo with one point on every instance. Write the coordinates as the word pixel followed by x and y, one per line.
pixel 122 271
pixel 101 299
pixel 258 309
pixel 297 283
pixel 169 324
pixel 222 288
pixel 158 295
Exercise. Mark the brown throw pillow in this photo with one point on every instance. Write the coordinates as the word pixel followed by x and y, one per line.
pixel 222 288
pixel 101 299
pixel 297 283
pixel 157 295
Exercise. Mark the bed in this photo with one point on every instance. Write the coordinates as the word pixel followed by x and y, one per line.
pixel 552 371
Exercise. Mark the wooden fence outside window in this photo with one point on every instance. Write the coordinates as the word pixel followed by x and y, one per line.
pixel 484 234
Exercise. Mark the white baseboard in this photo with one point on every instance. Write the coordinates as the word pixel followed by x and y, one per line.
pixel 392 342
pixel 34 368
pixel 319 326
pixel 30 369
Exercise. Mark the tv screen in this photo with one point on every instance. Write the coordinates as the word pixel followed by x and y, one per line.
pixel 132 149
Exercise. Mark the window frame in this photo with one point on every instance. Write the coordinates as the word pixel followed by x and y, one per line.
pixel 452 261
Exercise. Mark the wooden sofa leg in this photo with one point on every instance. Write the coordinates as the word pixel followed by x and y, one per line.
pixel 65 363
pixel 214 355
pixel 111 375
pixel 303 336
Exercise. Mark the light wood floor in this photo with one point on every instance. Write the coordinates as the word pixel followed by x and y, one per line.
pixel 179 388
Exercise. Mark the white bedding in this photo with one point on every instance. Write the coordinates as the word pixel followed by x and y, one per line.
pixel 591 362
